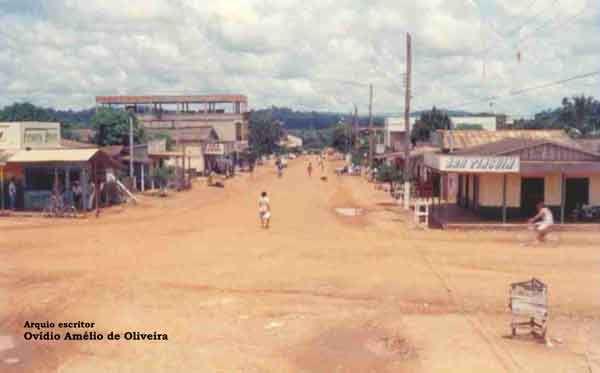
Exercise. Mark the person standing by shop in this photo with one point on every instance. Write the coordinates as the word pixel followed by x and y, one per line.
pixel 12 194
pixel 77 191
pixel 92 196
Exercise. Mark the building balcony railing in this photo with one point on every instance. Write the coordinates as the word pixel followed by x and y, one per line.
pixel 183 116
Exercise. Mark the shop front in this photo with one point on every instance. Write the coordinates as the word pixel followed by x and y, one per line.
pixel 57 171
pixel 505 180
pixel 219 157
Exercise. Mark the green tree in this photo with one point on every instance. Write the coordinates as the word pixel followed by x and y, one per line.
pixel 163 175
pixel 26 112
pixel 111 127
pixel 430 122
pixel 340 140
pixel 389 174
pixel 264 134
pixel 23 112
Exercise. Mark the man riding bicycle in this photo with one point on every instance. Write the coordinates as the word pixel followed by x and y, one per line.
pixel 542 221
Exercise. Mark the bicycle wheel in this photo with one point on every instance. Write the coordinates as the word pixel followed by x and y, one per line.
pixel 70 212
pixel 553 239
pixel 48 211
pixel 525 238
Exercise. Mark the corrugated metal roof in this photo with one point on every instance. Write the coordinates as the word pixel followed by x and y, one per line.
pixel 53 155
pixel 462 139
pixel 511 145
pixel 590 144
pixel 500 147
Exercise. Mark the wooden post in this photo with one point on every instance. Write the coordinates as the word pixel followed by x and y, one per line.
pixel 142 177
pixel 371 144
pixel 96 188
pixel 407 97
pixel 2 186
pixel 504 199
pixel 563 188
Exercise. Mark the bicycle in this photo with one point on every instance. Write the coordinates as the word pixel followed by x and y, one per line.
pixel 57 208
pixel 529 238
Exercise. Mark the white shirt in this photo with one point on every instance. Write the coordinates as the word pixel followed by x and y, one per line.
pixel 263 204
pixel 547 217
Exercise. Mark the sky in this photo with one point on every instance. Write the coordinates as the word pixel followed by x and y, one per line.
pixel 308 55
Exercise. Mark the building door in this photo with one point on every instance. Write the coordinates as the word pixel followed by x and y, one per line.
pixel 577 193
pixel 459 195
pixel 532 192
pixel 467 190
pixel 475 192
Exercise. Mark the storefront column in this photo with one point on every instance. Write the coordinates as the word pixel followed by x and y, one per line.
pixel 142 180
pixel 444 195
pixel 504 199
pixel 85 190
pixel 2 187
pixel 562 197
pixel 67 178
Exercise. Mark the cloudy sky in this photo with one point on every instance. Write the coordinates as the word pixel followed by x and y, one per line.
pixel 303 54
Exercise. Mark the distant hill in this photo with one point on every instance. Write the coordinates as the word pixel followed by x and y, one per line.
pixel 29 112
pixel 299 120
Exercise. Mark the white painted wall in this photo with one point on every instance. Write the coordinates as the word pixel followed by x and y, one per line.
pixel 595 190
pixel 395 124
pixel 14 135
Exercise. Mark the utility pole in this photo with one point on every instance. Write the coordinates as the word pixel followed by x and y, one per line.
pixel 131 150
pixel 371 138
pixel 355 130
pixel 407 97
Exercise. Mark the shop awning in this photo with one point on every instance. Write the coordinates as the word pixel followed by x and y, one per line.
pixel 62 156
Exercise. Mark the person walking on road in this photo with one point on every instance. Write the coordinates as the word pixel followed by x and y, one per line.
pixel 264 210
pixel 279 166
pixel 92 197
pixel 309 169
pixel 12 194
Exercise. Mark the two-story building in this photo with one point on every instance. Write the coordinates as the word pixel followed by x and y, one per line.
pixel 227 114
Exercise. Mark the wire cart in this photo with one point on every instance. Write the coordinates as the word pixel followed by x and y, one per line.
pixel 528 302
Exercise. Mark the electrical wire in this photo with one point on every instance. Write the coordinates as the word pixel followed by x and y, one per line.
pixel 520 91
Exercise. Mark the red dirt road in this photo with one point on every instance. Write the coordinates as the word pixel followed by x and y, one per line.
pixel 317 292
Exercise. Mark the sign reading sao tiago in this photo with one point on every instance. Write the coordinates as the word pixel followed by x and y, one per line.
pixel 479 164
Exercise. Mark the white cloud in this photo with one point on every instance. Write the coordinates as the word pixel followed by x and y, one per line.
pixel 296 53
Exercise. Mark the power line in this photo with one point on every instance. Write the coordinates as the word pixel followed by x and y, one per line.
pixel 558 82
pixel 521 91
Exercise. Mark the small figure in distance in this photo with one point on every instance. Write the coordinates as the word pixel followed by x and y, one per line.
pixel 264 210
